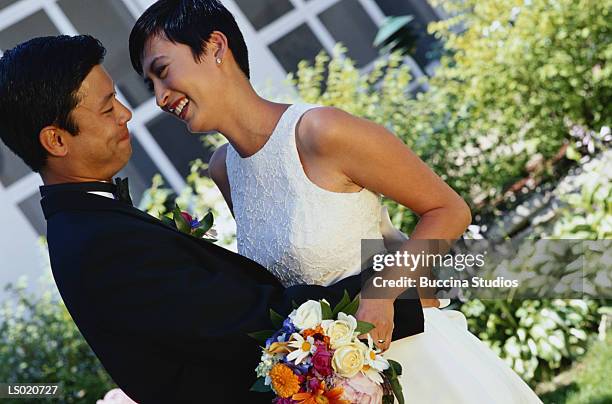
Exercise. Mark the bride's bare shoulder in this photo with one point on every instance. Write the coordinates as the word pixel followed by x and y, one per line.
pixel 323 128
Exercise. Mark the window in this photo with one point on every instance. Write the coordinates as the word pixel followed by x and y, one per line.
pixel 262 12
pixel 350 24
pixel 37 24
pixel 12 167
pixel 113 31
pixel 423 14
pixel 5 3
pixel 181 146
pixel 32 211
pixel 299 44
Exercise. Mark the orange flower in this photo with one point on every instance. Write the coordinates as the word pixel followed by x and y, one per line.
pixel 284 382
pixel 314 331
pixel 321 396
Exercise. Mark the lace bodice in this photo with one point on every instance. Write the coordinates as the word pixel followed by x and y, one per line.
pixel 301 232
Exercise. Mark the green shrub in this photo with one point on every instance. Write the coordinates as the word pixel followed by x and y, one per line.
pixel 588 381
pixel 509 84
pixel 537 338
pixel 588 212
pixel 39 343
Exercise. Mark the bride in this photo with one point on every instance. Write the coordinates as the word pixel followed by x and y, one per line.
pixel 304 185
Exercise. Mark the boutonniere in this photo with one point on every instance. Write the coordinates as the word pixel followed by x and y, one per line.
pixel 185 223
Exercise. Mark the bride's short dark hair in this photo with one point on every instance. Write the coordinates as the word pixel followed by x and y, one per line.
pixel 189 22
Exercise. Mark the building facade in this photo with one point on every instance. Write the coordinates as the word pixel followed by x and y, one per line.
pixel 279 33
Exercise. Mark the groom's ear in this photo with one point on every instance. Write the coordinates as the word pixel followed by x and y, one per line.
pixel 53 140
pixel 217 44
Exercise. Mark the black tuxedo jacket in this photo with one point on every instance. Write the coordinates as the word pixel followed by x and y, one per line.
pixel 168 314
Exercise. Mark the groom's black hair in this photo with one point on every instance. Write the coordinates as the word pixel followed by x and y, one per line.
pixel 39 82
pixel 188 22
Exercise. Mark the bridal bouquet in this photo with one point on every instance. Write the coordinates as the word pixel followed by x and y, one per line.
pixel 314 356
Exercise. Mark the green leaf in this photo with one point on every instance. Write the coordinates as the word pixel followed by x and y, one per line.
pixel 277 319
pixel 168 221
pixel 326 311
pixel 260 387
pixel 396 366
pixel 364 327
pixel 261 336
pixel 397 391
pixel 573 154
pixel 179 220
pixel 392 373
pixel 352 307
pixel 198 233
pixel 207 222
pixel 345 301
pixel 388 399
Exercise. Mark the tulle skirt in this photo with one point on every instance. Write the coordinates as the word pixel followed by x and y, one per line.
pixel 448 365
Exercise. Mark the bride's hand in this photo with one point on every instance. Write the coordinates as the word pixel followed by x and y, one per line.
pixel 380 313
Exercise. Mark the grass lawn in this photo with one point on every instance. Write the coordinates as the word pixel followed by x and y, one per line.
pixel 587 382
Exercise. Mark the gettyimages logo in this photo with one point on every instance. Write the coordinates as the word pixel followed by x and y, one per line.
pixel 411 261
pixel 530 269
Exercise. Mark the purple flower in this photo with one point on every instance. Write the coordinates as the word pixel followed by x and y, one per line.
pixel 313 384
pixel 288 326
pixel 300 369
pixel 283 334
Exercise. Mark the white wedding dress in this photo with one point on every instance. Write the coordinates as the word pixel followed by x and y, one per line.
pixel 307 235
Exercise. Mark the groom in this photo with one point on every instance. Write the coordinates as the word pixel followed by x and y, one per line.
pixel 166 314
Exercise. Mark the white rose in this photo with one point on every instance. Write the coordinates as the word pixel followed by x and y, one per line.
pixel 348 360
pixel 308 315
pixel 341 331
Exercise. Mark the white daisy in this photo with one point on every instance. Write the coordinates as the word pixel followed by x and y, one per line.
pixel 373 358
pixel 303 348
pixel 373 363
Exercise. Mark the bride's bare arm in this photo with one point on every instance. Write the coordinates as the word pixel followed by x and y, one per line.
pixel 370 156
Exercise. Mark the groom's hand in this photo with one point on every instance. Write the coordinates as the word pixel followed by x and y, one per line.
pixel 380 313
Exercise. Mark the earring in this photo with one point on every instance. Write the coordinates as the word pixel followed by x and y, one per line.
pixel 218 61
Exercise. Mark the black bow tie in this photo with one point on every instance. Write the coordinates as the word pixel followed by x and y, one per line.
pixel 119 189
pixel 122 190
